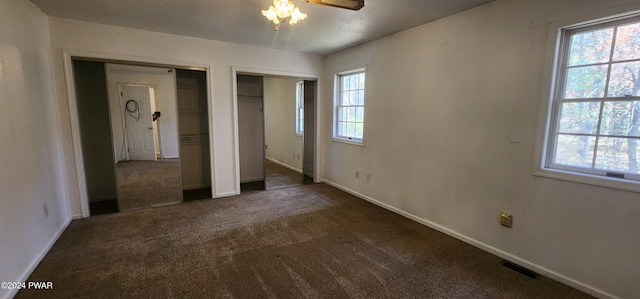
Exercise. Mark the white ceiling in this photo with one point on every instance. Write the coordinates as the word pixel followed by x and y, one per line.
pixel 324 31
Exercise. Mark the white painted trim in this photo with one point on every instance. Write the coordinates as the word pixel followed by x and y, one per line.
pixel 75 133
pixel 591 290
pixel 73 110
pixel 227 194
pixel 284 165
pixel 25 275
pixel 76 216
pixel 236 131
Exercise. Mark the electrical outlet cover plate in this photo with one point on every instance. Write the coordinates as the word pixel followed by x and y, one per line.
pixel 506 219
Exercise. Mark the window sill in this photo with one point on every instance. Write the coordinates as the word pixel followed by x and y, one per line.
pixel 299 134
pixel 595 180
pixel 358 143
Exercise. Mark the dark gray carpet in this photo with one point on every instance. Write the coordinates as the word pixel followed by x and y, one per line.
pixel 309 241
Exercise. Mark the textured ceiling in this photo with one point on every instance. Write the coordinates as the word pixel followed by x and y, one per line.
pixel 324 31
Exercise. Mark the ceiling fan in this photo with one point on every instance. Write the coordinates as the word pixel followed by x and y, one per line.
pixel 348 4
pixel 282 10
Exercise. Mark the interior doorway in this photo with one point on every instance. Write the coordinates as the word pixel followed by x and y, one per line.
pixel 276 121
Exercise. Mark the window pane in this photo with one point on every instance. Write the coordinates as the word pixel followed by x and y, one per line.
pixel 351 130
pixel 618 154
pixel 345 98
pixel 621 118
pixel 341 114
pixel 574 150
pixel 627 43
pixel 625 79
pixel 359 130
pixel 585 82
pixel 360 114
pixel 579 117
pixel 590 47
pixel 361 97
pixel 351 114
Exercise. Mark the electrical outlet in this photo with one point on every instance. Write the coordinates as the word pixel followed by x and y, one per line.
pixel 506 219
pixel 357 174
pixel 45 210
pixel 368 177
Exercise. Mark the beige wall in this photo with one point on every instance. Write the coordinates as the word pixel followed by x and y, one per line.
pixel 32 172
pixel 441 101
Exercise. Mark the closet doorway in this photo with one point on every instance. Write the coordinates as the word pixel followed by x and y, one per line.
pixel 276 121
pixel 144 134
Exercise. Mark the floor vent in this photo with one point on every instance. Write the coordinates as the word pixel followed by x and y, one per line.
pixel 521 270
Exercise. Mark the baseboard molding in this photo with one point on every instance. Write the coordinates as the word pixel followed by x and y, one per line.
pixel 226 194
pixel 25 275
pixel 284 165
pixel 76 216
pixel 488 248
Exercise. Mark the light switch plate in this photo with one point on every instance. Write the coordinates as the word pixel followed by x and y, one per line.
pixel 515 136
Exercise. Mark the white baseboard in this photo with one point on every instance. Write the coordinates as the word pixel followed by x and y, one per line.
pixel 76 216
pixel 285 165
pixel 591 290
pixel 25 275
pixel 226 194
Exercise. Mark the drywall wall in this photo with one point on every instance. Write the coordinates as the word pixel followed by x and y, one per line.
pixel 97 40
pixel 283 145
pixel 165 99
pixel 32 173
pixel 441 100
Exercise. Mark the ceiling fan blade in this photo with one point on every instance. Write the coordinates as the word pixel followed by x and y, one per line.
pixel 348 4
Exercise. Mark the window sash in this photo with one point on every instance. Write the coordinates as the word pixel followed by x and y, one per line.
pixel 605 98
pixel 349 106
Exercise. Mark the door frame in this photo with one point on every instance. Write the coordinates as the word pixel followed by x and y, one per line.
pixel 235 71
pixel 72 105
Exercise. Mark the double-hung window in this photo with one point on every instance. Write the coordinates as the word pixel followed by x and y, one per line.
pixel 349 106
pixel 594 127
pixel 300 107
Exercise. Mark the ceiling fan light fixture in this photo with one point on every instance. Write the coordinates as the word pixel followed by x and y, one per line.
pixel 282 9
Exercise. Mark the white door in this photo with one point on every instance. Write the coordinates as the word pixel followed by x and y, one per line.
pixel 135 101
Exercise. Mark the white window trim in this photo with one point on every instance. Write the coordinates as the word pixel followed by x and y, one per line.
pixel 336 95
pixel 546 116
pixel 299 101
